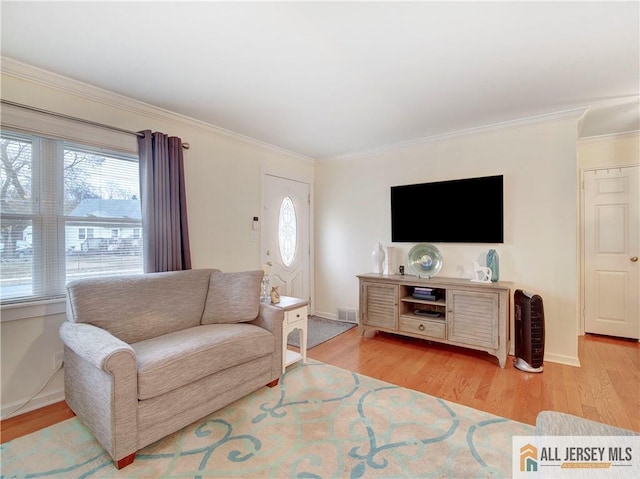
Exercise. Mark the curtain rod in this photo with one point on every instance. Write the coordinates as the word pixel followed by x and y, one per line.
pixel 186 146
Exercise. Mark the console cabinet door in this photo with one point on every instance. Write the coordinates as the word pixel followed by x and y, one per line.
pixel 472 318
pixel 379 305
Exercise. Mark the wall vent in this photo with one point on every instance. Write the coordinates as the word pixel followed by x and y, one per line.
pixel 348 315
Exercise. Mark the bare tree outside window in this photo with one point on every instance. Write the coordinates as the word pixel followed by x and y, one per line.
pixel 76 186
pixel 15 192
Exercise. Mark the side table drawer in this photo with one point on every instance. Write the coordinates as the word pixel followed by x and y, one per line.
pixel 295 315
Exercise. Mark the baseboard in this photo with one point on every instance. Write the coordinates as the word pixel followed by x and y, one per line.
pixel 37 402
pixel 562 359
pixel 325 315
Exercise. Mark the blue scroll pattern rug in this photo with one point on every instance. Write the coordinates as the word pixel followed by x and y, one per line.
pixel 320 422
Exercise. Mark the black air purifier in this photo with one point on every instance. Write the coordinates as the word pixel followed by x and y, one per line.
pixel 529 325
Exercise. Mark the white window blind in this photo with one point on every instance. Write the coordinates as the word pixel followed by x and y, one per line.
pixel 68 211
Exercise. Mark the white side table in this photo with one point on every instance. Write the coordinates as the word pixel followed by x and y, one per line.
pixel 295 317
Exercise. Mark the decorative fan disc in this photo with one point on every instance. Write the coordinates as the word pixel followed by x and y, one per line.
pixel 425 260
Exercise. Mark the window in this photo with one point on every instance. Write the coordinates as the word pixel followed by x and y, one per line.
pixel 68 211
pixel 287 231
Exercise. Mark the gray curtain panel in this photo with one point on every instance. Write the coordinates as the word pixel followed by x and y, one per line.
pixel 165 232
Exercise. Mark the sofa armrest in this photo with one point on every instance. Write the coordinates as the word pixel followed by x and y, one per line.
pixel 101 385
pixel 552 423
pixel 94 345
pixel 271 319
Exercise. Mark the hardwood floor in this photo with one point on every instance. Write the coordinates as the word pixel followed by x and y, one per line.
pixel 34 420
pixel 606 388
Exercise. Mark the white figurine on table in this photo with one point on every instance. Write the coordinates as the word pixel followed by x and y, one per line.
pixel 481 274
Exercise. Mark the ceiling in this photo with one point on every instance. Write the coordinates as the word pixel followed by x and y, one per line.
pixel 329 79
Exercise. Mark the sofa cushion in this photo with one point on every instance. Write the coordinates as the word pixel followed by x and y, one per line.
pixel 140 306
pixel 173 360
pixel 233 297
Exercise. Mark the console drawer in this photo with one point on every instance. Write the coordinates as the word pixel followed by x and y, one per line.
pixel 423 327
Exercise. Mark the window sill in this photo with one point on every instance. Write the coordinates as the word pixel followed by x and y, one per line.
pixel 36 309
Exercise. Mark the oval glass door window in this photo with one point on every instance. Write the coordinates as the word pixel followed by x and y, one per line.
pixel 287 231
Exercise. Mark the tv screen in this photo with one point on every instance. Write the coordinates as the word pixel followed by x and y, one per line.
pixel 468 210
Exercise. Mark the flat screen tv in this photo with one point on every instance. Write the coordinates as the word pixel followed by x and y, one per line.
pixel 468 210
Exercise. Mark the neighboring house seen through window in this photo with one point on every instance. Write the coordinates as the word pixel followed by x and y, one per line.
pixel 67 211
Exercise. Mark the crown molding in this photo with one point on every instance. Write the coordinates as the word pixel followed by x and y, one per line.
pixel 38 76
pixel 571 114
pixel 613 136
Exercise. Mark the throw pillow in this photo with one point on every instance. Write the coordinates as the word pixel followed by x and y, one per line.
pixel 233 297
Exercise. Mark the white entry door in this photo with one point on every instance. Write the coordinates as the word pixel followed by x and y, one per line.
pixel 612 247
pixel 285 235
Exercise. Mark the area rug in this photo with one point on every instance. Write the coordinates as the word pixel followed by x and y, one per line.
pixel 319 330
pixel 320 422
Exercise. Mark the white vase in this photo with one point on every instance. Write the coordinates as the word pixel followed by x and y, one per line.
pixel 388 261
pixel 378 258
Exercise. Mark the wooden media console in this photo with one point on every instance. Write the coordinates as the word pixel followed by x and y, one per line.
pixel 446 310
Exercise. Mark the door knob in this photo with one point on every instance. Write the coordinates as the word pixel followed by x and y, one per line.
pixel 634 259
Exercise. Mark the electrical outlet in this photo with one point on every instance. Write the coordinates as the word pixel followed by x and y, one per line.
pixel 58 359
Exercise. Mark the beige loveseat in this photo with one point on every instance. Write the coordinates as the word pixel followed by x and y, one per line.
pixel 146 355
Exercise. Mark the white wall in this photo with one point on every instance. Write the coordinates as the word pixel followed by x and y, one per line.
pixel 609 151
pixel 223 181
pixel 539 164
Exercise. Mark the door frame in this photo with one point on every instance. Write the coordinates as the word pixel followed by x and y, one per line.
pixel 581 246
pixel 293 176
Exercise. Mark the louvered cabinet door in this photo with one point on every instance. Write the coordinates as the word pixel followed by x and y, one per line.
pixel 379 305
pixel 472 318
